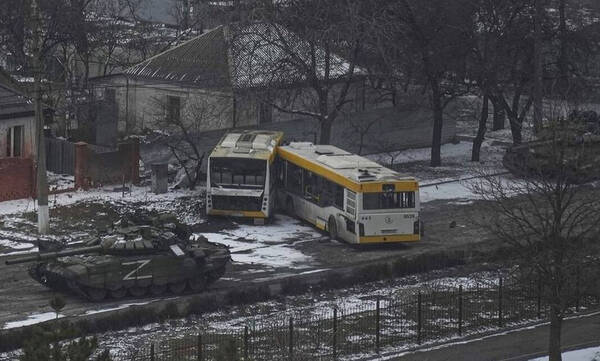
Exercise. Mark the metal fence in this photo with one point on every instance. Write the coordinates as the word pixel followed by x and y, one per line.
pixel 371 327
pixel 60 156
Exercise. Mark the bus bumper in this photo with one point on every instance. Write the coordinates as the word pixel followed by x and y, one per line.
pixel 390 238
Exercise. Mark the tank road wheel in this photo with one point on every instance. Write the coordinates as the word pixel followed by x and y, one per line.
pixel 197 284
pixel 177 288
pixel 289 207
pixel 118 293
pixel 332 228
pixel 157 290
pixel 137 291
pixel 95 294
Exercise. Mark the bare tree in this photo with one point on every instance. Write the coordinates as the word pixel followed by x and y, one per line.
pixel 550 223
pixel 301 57
pixel 182 125
pixel 427 42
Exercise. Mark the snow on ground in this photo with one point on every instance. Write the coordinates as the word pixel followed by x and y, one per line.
pixel 32 319
pixel 60 181
pixel 119 307
pixel 586 354
pixel 15 245
pixel 456 190
pixel 267 245
pixel 305 306
pixel 137 194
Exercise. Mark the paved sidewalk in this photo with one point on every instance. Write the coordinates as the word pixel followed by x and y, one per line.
pixel 517 345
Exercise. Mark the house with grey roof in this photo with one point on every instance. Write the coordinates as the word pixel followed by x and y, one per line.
pixel 226 69
pixel 243 76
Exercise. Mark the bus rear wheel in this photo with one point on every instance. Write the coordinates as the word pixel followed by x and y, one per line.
pixel 332 228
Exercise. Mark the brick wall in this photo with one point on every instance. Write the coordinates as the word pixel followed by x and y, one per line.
pixel 94 168
pixel 16 178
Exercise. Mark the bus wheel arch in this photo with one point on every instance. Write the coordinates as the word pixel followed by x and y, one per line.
pixel 332 227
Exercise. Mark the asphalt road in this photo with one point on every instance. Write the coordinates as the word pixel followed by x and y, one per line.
pixel 21 296
pixel 522 344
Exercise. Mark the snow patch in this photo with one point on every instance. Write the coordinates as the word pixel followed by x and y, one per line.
pixel 125 305
pixel 267 245
pixel 32 320
pixel 15 245
pixel 456 190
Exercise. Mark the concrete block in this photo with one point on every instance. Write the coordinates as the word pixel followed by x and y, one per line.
pixel 160 181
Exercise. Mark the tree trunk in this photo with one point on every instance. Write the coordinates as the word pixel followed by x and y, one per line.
pixel 554 349
pixel 563 76
pixel 515 129
pixel 438 119
pixel 325 134
pixel 481 130
pixel 499 116
pixel 538 91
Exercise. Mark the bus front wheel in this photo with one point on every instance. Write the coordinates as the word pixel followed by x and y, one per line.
pixel 332 228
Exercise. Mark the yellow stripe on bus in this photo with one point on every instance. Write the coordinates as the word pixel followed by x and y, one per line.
pixel 393 238
pixel 274 152
pixel 367 187
pixel 250 214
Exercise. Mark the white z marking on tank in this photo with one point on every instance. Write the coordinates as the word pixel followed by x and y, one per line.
pixel 130 275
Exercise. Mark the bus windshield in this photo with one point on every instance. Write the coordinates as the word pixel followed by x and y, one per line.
pixel 388 200
pixel 238 172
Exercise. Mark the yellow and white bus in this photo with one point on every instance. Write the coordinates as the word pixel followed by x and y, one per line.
pixel 240 175
pixel 351 197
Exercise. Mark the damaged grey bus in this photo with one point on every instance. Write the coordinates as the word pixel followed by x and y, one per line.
pixel 240 176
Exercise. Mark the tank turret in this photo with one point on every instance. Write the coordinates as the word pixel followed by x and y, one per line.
pixel 134 261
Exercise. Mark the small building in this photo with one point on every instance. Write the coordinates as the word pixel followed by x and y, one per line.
pixel 17 121
pixel 223 79
pixel 17 141
pixel 215 75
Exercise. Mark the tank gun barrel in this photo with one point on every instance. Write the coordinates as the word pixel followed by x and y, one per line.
pixel 53 255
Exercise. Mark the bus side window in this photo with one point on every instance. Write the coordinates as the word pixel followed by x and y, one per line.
pixel 308 178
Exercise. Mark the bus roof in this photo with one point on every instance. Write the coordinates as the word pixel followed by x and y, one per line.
pixel 340 166
pixel 252 144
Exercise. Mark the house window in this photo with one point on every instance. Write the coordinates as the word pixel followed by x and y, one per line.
pixel 14 141
pixel 173 108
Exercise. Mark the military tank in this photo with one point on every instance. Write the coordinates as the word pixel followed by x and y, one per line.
pixel 568 148
pixel 137 260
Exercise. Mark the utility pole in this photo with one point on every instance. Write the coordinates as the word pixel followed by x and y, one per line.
pixel 538 82
pixel 41 180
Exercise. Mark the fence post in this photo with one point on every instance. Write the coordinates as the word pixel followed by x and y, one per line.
pixel 152 352
pixel 419 318
pixel 81 165
pixel 245 343
pixel 199 347
pixel 335 333
pixel 291 350
pixel 577 285
pixel 377 324
pixel 460 309
pixel 500 303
